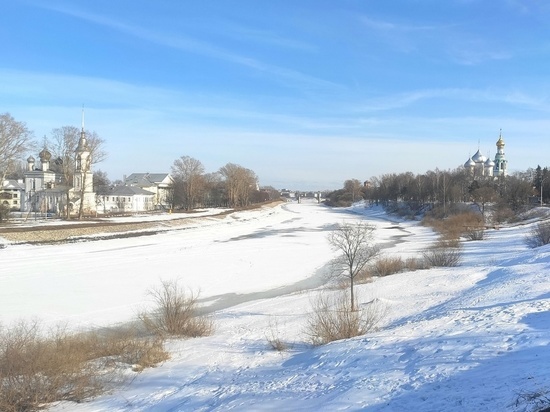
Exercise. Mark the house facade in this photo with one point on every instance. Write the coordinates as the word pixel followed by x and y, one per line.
pixel 12 194
pixel 160 184
pixel 126 199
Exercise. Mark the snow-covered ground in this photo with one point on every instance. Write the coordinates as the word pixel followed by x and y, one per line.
pixel 471 338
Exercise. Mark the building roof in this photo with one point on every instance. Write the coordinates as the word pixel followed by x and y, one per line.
pixel 147 179
pixel 11 184
pixel 129 191
pixel 479 158
pixel 470 163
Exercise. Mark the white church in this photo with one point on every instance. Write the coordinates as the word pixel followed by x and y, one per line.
pixel 41 190
pixel 44 193
pixel 481 166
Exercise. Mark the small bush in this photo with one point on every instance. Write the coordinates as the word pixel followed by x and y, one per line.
pixel 332 318
pixel 503 214
pixel 385 266
pixel 412 264
pixel 442 254
pixel 473 233
pixel 176 313
pixel 539 235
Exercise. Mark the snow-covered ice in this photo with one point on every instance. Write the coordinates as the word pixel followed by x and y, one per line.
pixel 470 338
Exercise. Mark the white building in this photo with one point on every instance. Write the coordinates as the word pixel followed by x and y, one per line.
pixel 160 184
pixel 39 179
pixel 12 194
pixel 126 199
pixel 481 166
pixel 43 192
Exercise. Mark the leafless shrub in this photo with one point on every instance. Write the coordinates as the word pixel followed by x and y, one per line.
pixel 332 318
pixel 364 276
pixel 274 339
pixel 540 399
pixel 503 214
pixel 176 313
pixel 539 235
pixel 412 264
pixel 442 254
pixel 474 233
pixel 385 266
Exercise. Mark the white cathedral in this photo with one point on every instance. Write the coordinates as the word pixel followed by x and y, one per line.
pixel 480 166
pixel 43 192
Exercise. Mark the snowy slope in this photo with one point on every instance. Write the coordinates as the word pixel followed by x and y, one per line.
pixel 471 338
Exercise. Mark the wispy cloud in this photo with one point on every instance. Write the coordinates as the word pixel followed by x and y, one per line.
pixel 388 26
pixel 474 52
pixel 402 100
pixel 192 45
pixel 451 40
pixel 265 37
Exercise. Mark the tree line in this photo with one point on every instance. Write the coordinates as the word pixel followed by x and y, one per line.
pixel 444 189
pixel 232 185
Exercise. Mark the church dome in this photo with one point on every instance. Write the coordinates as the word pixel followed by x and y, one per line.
pixel 479 158
pixel 489 163
pixel 500 142
pixel 45 155
pixel 470 163
pixel 30 159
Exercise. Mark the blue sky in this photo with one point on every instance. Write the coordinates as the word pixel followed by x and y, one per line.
pixel 306 93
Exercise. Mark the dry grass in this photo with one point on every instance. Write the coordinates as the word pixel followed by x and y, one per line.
pixel 332 318
pixel 467 224
pixel 176 313
pixel 273 337
pixel 38 367
pixel 390 265
pixel 130 346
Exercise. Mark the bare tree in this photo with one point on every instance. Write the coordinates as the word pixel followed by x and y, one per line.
pixel 101 185
pixel 15 140
pixel 214 194
pixel 354 187
pixel 190 182
pixel 353 241
pixel 484 195
pixel 63 143
pixel 239 184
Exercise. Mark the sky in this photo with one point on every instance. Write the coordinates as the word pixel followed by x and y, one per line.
pixel 306 93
